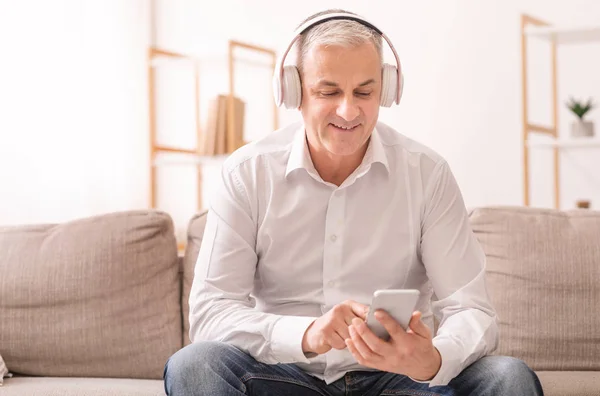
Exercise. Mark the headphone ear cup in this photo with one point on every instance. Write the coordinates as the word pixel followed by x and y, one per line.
pixel 389 85
pixel 292 89
pixel 401 86
pixel 277 89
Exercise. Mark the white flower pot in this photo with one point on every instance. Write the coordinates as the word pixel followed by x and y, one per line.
pixel 581 128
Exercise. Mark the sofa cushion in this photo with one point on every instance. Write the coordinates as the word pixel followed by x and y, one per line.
pixel 194 240
pixel 50 386
pixel 543 276
pixel 96 297
pixel 570 383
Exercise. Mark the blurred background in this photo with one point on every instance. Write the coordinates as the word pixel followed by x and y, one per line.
pixel 109 105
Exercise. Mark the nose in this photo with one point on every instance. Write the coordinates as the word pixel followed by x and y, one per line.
pixel 347 109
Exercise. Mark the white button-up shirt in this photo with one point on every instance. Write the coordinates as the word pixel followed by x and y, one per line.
pixel 281 247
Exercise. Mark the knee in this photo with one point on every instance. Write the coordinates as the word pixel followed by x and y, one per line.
pixel 188 367
pixel 510 367
pixel 194 357
pixel 512 375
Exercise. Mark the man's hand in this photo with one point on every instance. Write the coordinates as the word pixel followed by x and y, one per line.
pixel 409 352
pixel 331 330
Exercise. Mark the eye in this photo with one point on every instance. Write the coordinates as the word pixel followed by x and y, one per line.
pixel 365 94
pixel 328 93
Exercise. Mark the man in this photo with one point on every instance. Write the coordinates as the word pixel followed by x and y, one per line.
pixel 308 222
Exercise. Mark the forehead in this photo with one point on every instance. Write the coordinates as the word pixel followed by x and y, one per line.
pixel 335 62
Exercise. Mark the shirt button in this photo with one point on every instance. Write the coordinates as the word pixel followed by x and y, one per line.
pixel 333 238
pixel 331 283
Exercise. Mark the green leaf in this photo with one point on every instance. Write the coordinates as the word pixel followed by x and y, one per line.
pixel 579 108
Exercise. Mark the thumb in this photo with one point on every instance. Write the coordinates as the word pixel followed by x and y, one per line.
pixel 417 326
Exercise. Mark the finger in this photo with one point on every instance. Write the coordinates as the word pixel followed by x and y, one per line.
pixel 352 348
pixel 375 344
pixel 393 328
pixel 344 312
pixel 336 341
pixel 417 326
pixel 360 310
pixel 360 345
pixel 342 329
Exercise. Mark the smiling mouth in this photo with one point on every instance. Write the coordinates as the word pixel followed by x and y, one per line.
pixel 344 128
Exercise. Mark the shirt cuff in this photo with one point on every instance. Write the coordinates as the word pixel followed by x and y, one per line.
pixel 286 339
pixel 451 354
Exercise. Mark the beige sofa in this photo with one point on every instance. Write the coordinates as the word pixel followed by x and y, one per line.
pixel 96 306
pixel 88 300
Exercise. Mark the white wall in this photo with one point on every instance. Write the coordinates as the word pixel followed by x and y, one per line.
pixel 463 95
pixel 73 105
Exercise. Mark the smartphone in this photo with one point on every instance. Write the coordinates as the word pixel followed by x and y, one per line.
pixel 399 303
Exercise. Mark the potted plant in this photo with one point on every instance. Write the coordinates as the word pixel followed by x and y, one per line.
pixel 581 127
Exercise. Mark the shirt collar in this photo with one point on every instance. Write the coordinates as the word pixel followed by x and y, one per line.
pixel 300 156
pixel 375 151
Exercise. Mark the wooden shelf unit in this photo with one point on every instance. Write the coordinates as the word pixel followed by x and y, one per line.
pixel 153 55
pixel 535 28
pixel 194 156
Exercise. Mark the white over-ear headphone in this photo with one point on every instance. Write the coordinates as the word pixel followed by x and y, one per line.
pixel 286 80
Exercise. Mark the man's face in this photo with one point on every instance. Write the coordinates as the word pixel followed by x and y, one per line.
pixel 340 90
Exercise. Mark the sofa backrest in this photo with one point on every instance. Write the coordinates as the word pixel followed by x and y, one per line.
pixel 543 276
pixel 195 233
pixel 95 297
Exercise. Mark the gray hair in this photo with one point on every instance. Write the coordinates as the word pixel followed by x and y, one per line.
pixel 340 32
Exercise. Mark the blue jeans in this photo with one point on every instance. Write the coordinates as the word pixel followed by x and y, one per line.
pixel 218 369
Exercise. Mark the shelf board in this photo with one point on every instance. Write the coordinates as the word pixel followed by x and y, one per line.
pixel 190 159
pixel 583 142
pixel 565 35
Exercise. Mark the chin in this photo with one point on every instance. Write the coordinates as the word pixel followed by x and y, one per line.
pixel 344 144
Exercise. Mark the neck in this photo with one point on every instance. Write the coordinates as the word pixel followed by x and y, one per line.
pixel 335 168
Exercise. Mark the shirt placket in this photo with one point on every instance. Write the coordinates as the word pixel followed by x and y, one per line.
pixel 332 258
pixel 332 252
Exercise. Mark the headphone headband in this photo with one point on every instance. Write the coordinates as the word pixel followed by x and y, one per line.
pixel 327 17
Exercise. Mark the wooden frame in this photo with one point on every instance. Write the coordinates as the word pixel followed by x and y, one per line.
pixel 155 148
pixel 196 154
pixel 153 54
pixel 532 128
pixel 232 145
